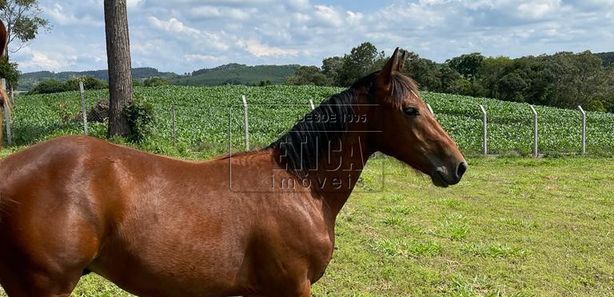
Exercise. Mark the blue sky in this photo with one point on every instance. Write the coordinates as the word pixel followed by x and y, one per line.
pixel 185 35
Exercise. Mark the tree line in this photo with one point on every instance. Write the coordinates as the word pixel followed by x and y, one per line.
pixel 563 79
pixel 49 86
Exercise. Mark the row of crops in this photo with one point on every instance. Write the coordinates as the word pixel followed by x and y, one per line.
pixel 209 120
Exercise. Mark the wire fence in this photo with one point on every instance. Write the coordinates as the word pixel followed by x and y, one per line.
pixel 208 127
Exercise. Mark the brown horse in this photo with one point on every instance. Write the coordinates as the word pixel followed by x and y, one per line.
pixel 259 223
pixel 4 99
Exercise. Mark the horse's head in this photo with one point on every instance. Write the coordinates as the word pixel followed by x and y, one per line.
pixel 409 132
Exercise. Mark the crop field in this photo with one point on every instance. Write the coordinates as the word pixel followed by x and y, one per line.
pixel 513 227
pixel 209 119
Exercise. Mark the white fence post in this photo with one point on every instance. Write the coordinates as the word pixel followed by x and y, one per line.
pixel 83 111
pixel 7 117
pixel 311 104
pixel 583 129
pixel 535 133
pixel 430 109
pixel 246 123
pixel 485 131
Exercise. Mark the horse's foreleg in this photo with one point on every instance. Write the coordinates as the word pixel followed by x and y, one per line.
pixel 41 258
pixel 305 291
pixel 29 284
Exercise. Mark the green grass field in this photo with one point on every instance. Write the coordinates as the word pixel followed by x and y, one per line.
pixel 513 227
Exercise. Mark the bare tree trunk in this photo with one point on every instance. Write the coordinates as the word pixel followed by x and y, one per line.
pixel 120 68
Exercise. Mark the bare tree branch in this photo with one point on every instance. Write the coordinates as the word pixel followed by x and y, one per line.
pixel 23 22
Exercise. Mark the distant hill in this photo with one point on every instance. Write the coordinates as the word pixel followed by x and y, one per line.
pixel 608 58
pixel 236 74
pixel 29 80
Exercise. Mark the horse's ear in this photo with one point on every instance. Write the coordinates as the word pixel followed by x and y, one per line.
pixel 395 63
pixel 402 60
pixel 390 66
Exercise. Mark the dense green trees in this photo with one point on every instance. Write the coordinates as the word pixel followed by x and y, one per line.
pixel 343 71
pixel 56 86
pixel 9 71
pixel 467 65
pixel 362 60
pixel 607 58
pixel 155 82
pixel 563 79
pixel 309 75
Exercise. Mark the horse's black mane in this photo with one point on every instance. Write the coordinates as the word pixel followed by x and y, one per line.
pixel 301 147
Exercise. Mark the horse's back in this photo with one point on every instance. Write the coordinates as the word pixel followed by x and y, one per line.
pixel 42 167
pixel 71 177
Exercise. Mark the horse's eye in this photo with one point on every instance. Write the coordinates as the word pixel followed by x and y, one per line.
pixel 411 111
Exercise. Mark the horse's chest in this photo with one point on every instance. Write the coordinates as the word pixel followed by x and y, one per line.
pixel 304 251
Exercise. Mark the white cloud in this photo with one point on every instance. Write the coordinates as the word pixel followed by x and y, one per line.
pixel 208 11
pixel 57 13
pixel 42 61
pixel 133 3
pixel 173 25
pixel 299 4
pixel 202 58
pixel 328 15
pixel 354 18
pixel 539 9
pixel 258 49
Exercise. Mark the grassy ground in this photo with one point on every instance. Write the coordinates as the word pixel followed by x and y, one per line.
pixel 513 227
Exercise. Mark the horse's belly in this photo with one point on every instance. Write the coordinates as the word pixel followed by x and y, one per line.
pixel 190 255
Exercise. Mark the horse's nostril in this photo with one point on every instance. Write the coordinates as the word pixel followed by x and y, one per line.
pixel 462 168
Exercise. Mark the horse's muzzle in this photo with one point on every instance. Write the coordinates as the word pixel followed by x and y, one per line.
pixel 442 177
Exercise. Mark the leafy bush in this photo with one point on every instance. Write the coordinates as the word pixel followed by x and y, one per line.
pixel 155 82
pixel 308 75
pixel 9 72
pixel 140 115
pixel 89 83
pixel 56 86
pixel 49 86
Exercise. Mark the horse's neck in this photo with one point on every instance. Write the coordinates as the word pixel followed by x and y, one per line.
pixel 338 172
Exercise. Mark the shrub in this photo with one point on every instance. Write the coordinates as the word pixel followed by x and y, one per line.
pixel 49 86
pixel 57 86
pixel 155 82
pixel 140 115
pixel 89 83
pixel 9 72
